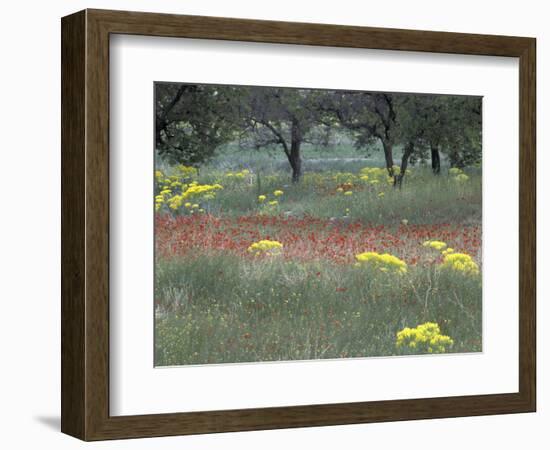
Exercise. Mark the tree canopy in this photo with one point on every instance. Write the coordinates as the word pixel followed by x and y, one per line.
pixel 193 120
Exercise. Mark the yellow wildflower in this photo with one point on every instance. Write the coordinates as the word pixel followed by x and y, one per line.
pixel 384 262
pixel 265 246
pixel 438 245
pixel 426 337
pixel 460 262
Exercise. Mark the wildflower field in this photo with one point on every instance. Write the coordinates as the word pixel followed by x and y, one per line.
pixel 252 267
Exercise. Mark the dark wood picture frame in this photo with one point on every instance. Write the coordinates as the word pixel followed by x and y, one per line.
pixel 85 224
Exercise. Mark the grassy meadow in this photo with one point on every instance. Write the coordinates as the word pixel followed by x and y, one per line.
pixel 251 267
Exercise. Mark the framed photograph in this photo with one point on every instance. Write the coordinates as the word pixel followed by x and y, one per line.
pixel 272 225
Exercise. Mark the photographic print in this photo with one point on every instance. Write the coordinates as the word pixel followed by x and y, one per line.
pixel 306 224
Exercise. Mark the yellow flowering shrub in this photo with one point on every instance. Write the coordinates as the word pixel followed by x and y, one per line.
pixel 265 246
pixel 461 178
pixel 425 338
pixel 460 262
pixel 175 202
pixel 174 193
pixel 278 193
pixel 344 177
pixel 206 191
pixel 454 171
pixel 437 245
pixel 238 175
pixel 383 262
pixel 261 198
pixel 159 201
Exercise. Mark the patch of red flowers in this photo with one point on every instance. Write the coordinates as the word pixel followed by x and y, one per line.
pixel 308 238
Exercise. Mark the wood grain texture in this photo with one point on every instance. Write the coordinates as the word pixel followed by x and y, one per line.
pixel 73 108
pixel 85 224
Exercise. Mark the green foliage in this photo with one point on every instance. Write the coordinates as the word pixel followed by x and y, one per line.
pixel 192 121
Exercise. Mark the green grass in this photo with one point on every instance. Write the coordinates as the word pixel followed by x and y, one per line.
pixel 271 309
pixel 224 306
pixel 424 198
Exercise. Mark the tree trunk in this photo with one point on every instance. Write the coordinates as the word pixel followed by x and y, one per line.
pixel 294 156
pixel 407 152
pixel 436 160
pixel 388 155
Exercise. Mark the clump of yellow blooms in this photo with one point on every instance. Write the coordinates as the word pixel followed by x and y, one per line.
pixel 176 190
pixel 461 178
pixel 455 171
pixel 425 338
pixel 458 175
pixel 383 262
pixel 238 175
pixel 159 201
pixel 269 205
pixel 460 262
pixel 348 193
pixel 437 245
pixel 206 191
pixel 175 202
pixel 376 175
pixel 373 171
pixel 265 247
pixel 190 191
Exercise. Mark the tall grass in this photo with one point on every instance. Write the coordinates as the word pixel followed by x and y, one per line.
pixel 269 309
pixel 424 198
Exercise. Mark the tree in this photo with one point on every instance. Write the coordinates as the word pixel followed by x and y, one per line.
pixel 283 117
pixel 192 121
pixel 464 131
pixel 435 123
pixel 369 116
